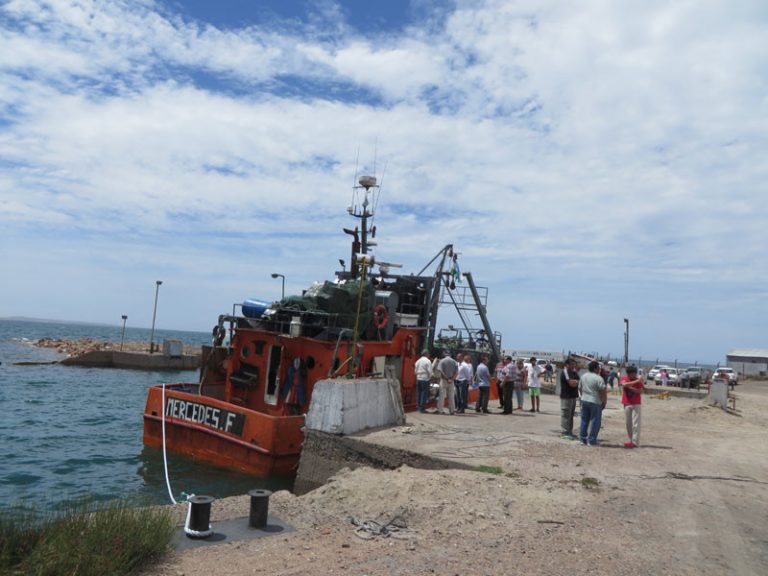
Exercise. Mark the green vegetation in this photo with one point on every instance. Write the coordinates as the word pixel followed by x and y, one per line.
pixel 85 539
pixel 489 469
pixel 590 483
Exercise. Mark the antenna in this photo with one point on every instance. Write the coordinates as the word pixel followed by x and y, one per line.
pixel 375 153
pixel 381 186
pixel 357 160
pixel 354 181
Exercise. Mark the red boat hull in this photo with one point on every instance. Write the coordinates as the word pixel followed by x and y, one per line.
pixel 255 443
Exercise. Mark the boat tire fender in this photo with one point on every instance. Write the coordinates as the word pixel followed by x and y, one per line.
pixel 219 333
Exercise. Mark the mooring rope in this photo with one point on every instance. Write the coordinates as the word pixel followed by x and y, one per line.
pixel 165 457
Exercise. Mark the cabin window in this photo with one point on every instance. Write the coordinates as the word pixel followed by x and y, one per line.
pixel 258 346
pixel 245 351
pixel 273 375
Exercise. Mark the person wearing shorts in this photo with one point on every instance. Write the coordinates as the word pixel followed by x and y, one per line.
pixel 534 385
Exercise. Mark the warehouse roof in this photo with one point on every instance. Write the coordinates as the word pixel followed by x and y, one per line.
pixel 751 352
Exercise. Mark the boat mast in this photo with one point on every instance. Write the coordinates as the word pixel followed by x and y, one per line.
pixel 367 188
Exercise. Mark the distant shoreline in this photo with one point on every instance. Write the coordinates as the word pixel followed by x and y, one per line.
pixel 93 324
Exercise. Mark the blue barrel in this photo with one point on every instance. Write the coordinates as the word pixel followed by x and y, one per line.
pixel 254 308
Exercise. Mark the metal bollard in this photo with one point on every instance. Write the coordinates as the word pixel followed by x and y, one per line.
pixel 259 508
pixel 199 517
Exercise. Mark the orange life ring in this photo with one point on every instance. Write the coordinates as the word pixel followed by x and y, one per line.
pixel 380 316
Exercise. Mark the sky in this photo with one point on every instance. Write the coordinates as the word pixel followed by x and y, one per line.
pixel 590 161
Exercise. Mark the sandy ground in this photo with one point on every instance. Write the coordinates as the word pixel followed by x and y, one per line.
pixel 693 500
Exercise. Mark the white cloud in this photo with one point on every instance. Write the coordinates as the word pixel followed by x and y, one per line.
pixel 563 145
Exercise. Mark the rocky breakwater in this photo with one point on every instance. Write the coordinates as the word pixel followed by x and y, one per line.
pixel 95 353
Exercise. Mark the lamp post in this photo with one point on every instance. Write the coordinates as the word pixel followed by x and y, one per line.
pixel 122 336
pixel 282 278
pixel 626 341
pixel 154 315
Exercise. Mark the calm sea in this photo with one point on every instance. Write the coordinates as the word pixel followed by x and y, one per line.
pixel 68 432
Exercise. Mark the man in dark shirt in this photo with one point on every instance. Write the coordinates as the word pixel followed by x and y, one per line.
pixel 569 393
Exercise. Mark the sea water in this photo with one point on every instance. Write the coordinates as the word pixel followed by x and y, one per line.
pixel 68 432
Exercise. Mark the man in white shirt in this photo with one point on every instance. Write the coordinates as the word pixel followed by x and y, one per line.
pixel 447 368
pixel 534 384
pixel 463 379
pixel 423 369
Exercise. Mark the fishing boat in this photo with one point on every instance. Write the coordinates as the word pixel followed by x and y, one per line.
pixel 248 408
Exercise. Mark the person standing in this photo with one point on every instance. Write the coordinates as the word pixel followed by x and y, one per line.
pixel 484 385
pixel 664 375
pixel 611 377
pixel 594 397
pixel 500 381
pixel 521 383
pixel 423 370
pixel 510 376
pixel 463 378
pixel 631 398
pixel 569 394
pixel 447 368
pixel 534 385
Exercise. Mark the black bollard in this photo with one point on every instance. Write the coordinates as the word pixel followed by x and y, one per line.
pixel 259 508
pixel 199 519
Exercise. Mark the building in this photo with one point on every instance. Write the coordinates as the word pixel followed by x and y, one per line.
pixel 748 361
pixel 515 353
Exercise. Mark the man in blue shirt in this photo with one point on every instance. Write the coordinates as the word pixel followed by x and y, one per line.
pixel 483 385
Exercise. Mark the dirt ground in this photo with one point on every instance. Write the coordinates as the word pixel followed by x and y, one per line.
pixel 692 500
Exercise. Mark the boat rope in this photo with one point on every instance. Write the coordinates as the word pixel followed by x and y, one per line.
pixel 165 457
pixel 354 364
pixel 370 529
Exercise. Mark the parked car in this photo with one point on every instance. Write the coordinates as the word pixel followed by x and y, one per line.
pixel 673 378
pixel 653 372
pixel 692 377
pixel 727 373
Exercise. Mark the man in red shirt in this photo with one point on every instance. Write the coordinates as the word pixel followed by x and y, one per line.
pixel 631 396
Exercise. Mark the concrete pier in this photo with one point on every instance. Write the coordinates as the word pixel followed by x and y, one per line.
pixel 342 407
pixel 134 360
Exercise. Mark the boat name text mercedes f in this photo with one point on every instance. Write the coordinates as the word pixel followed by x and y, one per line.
pixel 217 418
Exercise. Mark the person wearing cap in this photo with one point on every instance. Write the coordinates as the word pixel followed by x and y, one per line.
pixel 447 368
pixel 423 369
pixel 594 397
pixel 631 397
pixel 569 394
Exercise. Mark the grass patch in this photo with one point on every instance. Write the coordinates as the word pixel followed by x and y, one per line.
pixel 84 539
pixel 489 469
pixel 590 483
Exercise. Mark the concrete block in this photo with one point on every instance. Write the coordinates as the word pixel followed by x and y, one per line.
pixel 173 348
pixel 344 406
pixel 718 393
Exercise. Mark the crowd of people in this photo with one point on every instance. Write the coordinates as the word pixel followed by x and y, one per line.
pixel 455 377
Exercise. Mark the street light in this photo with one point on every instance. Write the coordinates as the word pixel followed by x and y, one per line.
pixel 122 336
pixel 276 275
pixel 154 315
pixel 626 341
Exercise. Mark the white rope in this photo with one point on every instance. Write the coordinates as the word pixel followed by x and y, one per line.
pixel 165 458
pixel 195 533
